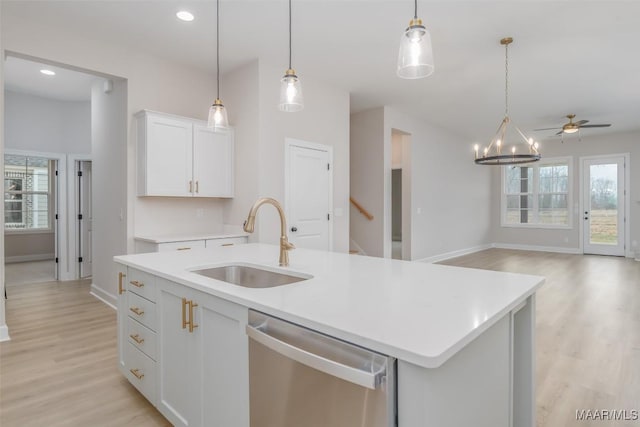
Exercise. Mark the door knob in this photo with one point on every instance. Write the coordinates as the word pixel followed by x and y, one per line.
pixel 294 229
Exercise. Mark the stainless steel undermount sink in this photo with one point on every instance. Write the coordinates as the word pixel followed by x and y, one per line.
pixel 251 276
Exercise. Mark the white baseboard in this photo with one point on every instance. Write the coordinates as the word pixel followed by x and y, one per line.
pixel 554 249
pixel 25 258
pixel 4 333
pixel 105 297
pixel 454 254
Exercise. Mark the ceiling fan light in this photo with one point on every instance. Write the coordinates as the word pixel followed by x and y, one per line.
pixel 571 130
pixel 415 58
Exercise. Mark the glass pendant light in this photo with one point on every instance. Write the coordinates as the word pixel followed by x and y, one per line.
pixel 290 88
pixel 415 59
pixel 217 113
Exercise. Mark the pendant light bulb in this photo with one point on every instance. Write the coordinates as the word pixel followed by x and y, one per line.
pixel 290 88
pixel 415 59
pixel 218 116
pixel 290 92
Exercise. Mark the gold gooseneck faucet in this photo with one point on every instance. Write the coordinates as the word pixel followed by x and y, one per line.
pixel 249 226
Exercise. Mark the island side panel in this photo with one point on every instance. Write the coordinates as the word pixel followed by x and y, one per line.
pixel 524 365
pixel 470 389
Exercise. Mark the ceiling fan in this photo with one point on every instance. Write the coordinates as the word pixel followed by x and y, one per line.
pixel 573 127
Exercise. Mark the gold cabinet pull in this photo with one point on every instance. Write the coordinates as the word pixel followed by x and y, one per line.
pixel 137 311
pixel 227 244
pixel 183 249
pixel 184 313
pixel 136 373
pixel 137 338
pixel 190 186
pixel 192 324
pixel 197 186
pixel 137 284
pixel 120 288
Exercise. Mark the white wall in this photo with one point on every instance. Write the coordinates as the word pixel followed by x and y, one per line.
pixel 591 145
pixel 367 180
pixel 152 83
pixel 47 125
pixel 251 94
pixel 452 193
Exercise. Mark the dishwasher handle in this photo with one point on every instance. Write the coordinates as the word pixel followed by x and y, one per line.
pixel 370 380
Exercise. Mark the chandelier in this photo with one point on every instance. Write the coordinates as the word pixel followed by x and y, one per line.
pixel 499 151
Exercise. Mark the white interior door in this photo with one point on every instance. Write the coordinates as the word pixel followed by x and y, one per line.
pixel 604 205
pixel 308 194
pixel 85 219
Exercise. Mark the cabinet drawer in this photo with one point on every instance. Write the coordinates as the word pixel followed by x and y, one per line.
pixel 141 372
pixel 230 241
pixel 141 283
pixel 142 310
pixel 181 246
pixel 141 337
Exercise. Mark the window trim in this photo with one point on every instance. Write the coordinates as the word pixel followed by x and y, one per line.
pixel 568 160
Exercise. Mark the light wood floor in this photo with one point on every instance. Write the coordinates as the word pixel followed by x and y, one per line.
pixel 60 367
pixel 588 331
pixel 18 273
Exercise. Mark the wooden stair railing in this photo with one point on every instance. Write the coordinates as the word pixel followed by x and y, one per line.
pixel 362 210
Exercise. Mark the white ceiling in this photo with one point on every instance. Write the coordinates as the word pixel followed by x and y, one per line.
pixel 568 56
pixel 22 75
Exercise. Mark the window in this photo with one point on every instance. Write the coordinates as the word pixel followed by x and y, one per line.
pixel 537 195
pixel 27 193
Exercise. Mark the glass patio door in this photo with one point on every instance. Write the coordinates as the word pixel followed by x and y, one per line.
pixel 604 210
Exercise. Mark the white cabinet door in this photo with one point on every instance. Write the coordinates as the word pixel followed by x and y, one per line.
pixel 224 362
pixel 168 156
pixel 212 162
pixel 179 390
pixel 204 373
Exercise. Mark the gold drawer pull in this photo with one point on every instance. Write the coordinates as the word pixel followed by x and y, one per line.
pixel 227 244
pixel 137 284
pixel 120 288
pixel 197 186
pixel 136 373
pixel 183 249
pixel 184 313
pixel 190 186
pixel 137 311
pixel 192 325
pixel 137 338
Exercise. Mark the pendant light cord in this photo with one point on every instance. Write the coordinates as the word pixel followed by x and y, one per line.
pixel 289 34
pixel 218 48
pixel 415 9
pixel 506 80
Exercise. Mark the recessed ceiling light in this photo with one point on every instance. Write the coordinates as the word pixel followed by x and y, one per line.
pixel 185 16
pixel 48 72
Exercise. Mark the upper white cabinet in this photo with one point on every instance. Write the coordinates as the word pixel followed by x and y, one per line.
pixel 182 157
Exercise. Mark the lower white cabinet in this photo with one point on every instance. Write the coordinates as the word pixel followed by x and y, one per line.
pixel 201 356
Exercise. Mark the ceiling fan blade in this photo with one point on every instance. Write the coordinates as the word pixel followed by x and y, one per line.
pixel 581 122
pixel 535 130
pixel 559 133
pixel 597 126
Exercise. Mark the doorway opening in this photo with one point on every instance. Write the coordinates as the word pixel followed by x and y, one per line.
pixel 400 195
pixel 31 227
pixel 605 204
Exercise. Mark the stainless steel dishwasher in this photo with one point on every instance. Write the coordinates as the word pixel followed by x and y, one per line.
pixel 302 378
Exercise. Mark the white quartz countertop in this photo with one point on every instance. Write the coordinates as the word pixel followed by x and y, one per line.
pixel 169 238
pixel 417 312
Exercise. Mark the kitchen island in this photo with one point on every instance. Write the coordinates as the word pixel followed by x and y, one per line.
pixel 463 338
